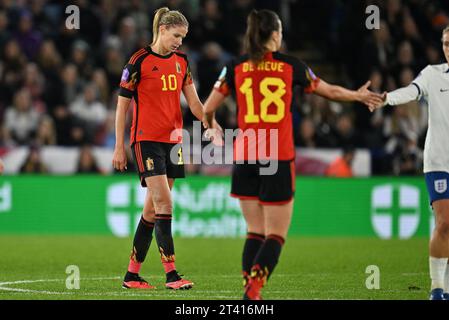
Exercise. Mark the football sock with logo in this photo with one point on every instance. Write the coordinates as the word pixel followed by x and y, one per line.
pixel 252 245
pixel 141 244
pixel 166 247
pixel 437 268
pixel 268 256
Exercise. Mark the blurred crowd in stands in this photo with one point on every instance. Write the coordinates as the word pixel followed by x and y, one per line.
pixel 58 86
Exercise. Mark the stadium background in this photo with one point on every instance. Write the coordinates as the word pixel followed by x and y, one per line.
pixel 58 92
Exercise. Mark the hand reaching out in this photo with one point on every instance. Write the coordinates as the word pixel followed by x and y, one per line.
pixel 383 96
pixel 371 99
pixel 215 134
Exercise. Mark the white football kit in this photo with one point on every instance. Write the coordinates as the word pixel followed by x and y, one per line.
pixel 432 84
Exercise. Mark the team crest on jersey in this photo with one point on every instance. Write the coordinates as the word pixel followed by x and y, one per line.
pixel 150 164
pixel 178 67
pixel 440 185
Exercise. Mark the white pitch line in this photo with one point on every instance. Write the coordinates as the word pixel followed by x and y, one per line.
pixel 35 291
pixel 3 284
pixel 29 281
pixel 53 280
pixel 121 294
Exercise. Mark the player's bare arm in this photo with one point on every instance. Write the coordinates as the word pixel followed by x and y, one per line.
pixel 338 93
pixel 214 131
pixel 119 157
pixel 212 103
pixel 197 107
pixel 193 100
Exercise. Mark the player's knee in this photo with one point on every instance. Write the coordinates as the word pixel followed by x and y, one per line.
pixel 149 215
pixel 442 227
pixel 162 204
pixel 164 207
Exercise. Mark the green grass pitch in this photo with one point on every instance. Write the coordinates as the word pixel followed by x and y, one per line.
pixel 34 267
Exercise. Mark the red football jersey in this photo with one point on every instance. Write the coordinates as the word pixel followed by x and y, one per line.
pixel 263 93
pixel 155 82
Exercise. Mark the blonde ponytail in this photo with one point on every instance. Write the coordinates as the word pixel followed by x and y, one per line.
pixel 163 16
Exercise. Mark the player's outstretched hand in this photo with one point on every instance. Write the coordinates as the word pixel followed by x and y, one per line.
pixel 383 96
pixel 119 159
pixel 371 99
pixel 215 135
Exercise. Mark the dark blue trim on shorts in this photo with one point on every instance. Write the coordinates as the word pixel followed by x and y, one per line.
pixel 437 185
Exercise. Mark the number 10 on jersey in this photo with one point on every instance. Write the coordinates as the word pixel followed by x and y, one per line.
pixel 169 83
pixel 269 97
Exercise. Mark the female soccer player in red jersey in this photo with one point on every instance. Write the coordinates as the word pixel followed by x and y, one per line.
pixel 154 77
pixel 262 82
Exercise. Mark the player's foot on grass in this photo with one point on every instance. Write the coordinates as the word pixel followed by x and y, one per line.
pixel 181 284
pixel 252 289
pixel 176 282
pixel 134 281
pixel 436 294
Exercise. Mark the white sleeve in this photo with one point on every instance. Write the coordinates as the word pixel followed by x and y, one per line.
pixel 422 81
pixel 403 95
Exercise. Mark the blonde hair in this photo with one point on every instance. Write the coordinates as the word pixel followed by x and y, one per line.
pixel 164 17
